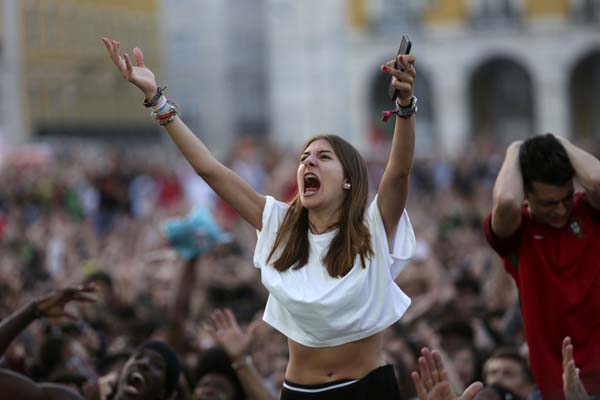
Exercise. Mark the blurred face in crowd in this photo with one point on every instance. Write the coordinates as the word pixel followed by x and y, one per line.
pixel 464 363
pixel 507 373
pixel 143 377
pixel 320 176
pixel 551 205
pixel 214 386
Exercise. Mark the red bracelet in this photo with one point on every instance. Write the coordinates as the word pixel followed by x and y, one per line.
pixel 164 116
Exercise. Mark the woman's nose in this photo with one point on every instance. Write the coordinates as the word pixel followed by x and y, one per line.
pixel 309 161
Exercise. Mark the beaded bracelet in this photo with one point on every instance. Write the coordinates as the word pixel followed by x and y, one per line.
pixel 162 105
pixel 165 113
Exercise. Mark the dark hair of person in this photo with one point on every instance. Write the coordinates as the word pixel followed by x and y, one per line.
pixel 509 353
pixel 51 354
pixel 216 361
pixel 171 363
pixel 544 159
pixel 100 277
pixel 172 366
pixel 291 247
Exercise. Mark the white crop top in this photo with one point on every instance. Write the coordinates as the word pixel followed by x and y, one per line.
pixel 316 310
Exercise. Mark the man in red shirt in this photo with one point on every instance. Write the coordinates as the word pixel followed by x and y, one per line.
pixel 549 239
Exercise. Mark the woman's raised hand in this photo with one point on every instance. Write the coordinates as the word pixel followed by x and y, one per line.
pixel 402 79
pixel 137 74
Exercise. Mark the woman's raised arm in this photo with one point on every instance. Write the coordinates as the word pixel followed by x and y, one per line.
pixel 393 189
pixel 226 183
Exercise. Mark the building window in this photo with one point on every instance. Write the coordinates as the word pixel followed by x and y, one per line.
pixel 584 91
pixel 486 14
pixel 396 15
pixel 501 101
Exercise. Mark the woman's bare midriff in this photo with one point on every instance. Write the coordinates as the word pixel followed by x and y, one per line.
pixel 315 365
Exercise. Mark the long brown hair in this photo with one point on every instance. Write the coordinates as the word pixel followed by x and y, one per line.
pixel 353 238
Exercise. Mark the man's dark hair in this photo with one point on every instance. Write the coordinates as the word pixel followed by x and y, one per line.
pixel 544 159
pixel 509 353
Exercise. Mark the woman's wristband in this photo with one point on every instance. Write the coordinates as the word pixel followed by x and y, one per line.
pixel 152 102
pixel 401 111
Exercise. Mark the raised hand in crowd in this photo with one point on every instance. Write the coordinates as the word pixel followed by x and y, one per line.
pixel 237 343
pixel 431 382
pixel 52 306
pixel 572 385
pixel 227 332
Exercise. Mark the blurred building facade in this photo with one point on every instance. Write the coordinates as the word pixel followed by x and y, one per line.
pixel 216 62
pixel 54 61
pixel 488 69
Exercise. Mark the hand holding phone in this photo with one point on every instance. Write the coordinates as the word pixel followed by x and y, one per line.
pixel 405 46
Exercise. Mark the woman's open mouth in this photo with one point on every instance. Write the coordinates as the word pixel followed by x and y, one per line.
pixel 311 184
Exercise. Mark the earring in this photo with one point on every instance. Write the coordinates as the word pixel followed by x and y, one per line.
pixel 346 185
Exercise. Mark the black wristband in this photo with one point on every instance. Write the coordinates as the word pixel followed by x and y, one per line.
pixel 152 102
pixel 409 110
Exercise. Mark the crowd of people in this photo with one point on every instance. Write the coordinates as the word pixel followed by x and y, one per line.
pixel 94 214
pixel 278 276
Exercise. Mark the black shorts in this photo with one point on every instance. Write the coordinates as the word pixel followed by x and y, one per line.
pixel 381 383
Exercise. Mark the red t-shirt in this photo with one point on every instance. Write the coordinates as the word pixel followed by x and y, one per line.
pixel 557 272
